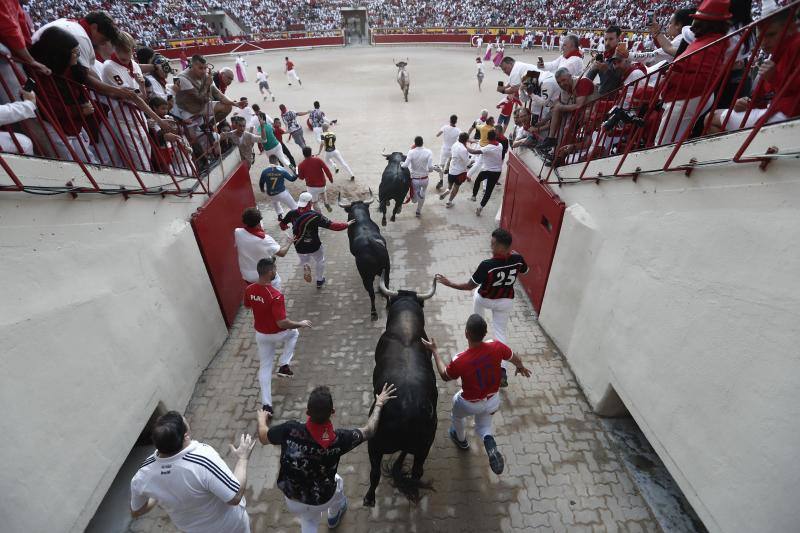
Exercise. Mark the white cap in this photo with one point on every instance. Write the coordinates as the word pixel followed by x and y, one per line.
pixel 304 200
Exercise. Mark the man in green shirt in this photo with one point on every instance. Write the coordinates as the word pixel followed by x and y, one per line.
pixel 270 143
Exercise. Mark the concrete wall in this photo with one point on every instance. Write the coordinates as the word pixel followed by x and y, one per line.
pixel 683 295
pixel 106 311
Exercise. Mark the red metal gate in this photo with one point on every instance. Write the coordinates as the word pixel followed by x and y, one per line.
pixel 532 212
pixel 213 226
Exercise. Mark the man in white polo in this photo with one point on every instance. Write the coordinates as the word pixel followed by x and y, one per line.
pixel 253 245
pixel 190 481
pixel 449 134
pixel 419 162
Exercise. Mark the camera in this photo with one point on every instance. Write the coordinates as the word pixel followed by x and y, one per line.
pixel 161 62
pixel 599 58
pixel 531 85
pixel 29 86
pixel 618 116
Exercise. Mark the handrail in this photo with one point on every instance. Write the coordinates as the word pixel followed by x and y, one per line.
pixel 115 134
pixel 658 121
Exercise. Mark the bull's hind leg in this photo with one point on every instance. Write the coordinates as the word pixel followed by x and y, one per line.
pixel 382 209
pixel 375 458
pixel 397 207
pixel 419 462
pixel 369 284
pixel 397 467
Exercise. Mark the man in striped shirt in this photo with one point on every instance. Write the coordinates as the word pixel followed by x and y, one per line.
pixel 494 280
pixel 190 481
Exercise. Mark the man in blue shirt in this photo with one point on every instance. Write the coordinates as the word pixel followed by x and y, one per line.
pixel 272 182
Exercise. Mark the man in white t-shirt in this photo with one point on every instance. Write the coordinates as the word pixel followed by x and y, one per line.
pixel 262 79
pixel 457 173
pixel 449 134
pixel 191 482
pixel 419 162
pixel 571 57
pixel 253 245
pixel 491 167
pixel 516 71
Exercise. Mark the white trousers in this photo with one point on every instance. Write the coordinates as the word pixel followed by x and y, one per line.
pixel 267 343
pixel 8 146
pixel 482 411
pixel 500 309
pixel 673 125
pixel 418 187
pixel 336 157
pixel 292 75
pixel 317 193
pixel 444 157
pixel 476 168
pixel 284 198
pixel 309 514
pixel 319 260
pixel 317 134
pixel 277 151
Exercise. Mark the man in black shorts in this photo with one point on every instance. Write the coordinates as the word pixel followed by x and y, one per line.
pixel 310 454
pixel 494 279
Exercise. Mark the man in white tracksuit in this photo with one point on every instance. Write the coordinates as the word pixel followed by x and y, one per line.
pixel 419 162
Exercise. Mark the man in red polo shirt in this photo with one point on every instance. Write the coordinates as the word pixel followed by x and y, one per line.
pixel 478 367
pixel 272 328
pixel 314 171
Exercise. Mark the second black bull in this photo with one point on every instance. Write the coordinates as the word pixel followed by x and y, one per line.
pixel 395 182
pixel 367 246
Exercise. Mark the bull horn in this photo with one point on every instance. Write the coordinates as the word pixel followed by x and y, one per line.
pixel 428 294
pixel 339 201
pixel 371 197
pixel 385 291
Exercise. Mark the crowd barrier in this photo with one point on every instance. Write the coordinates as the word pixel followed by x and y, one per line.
pixel 213 226
pixel 251 46
pixel 533 214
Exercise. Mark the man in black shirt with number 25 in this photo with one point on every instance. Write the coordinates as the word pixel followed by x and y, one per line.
pixel 494 279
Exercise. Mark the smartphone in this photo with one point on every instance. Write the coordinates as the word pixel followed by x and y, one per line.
pixel 29 86
pixel 650 17
pixel 541 59
pixel 175 80
pixel 500 84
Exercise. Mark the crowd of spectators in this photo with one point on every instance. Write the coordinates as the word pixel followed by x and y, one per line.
pixel 152 23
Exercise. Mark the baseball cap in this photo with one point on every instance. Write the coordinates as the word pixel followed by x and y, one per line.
pixel 304 200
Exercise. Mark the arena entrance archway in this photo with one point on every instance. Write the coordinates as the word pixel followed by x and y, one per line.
pixel 354 24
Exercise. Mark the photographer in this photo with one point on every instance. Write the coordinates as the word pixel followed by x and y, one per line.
pixel 515 70
pixel 610 77
pixel 157 80
pixel 574 94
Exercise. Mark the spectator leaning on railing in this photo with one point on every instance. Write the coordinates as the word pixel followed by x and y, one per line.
pixel 15 38
pixel 691 74
pixel 778 73
pixel 571 57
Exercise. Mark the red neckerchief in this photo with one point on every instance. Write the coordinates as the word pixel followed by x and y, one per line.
pixel 608 54
pixel 129 66
pixel 86 27
pixel 494 143
pixel 304 209
pixel 574 53
pixel 322 434
pixel 257 231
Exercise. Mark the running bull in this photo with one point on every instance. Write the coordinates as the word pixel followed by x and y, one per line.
pixel 368 246
pixel 395 182
pixel 407 424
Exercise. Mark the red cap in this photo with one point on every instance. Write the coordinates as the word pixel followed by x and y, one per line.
pixel 713 10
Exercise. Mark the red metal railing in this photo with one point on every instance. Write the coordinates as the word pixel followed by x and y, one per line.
pixel 652 117
pixel 75 124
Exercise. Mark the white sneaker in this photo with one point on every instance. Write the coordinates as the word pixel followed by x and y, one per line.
pixel 449 204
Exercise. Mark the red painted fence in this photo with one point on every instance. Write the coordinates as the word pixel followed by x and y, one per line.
pixel 251 46
pixel 213 226
pixel 533 214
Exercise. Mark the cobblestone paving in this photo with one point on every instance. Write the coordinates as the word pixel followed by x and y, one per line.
pixel 562 474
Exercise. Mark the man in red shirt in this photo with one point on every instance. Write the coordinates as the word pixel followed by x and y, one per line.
pixel 478 367
pixel 291 73
pixel 314 171
pixel 272 328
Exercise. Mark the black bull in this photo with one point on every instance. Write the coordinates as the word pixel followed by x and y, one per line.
pixel 407 423
pixel 395 182
pixel 367 246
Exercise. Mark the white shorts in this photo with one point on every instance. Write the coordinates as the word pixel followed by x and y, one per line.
pixel 316 192
pixel 736 120
pixel 292 75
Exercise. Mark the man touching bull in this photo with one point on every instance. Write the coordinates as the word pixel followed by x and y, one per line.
pixel 419 162
pixel 479 369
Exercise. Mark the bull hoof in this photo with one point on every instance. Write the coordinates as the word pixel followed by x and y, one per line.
pixel 374 316
pixel 392 219
pixel 383 222
pixel 369 501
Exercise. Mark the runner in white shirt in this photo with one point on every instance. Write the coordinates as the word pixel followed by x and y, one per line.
pixel 262 79
pixel 491 167
pixel 253 245
pixel 480 73
pixel 449 134
pixel 457 174
pixel 191 482
pixel 419 162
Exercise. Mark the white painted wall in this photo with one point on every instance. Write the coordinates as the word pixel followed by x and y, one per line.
pixel 106 310
pixel 683 294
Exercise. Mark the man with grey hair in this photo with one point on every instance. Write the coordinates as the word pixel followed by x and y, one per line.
pixel 571 57
pixel 515 70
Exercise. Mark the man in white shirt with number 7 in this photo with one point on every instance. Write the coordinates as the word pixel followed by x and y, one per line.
pixel 493 282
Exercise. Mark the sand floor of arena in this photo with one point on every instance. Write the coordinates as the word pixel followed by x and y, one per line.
pixel 562 473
